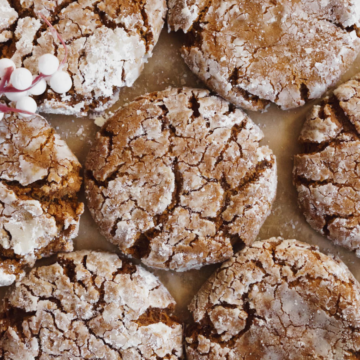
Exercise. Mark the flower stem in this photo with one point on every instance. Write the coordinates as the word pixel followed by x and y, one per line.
pixel 56 34
pixel 6 109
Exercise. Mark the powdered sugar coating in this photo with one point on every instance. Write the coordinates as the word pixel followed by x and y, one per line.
pixel 327 176
pixel 90 305
pixel 109 42
pixel 177 176
pixel 27 225
pixel 7 18
pixel 255 52
pixel 6 279
pixel 277 299
pixel 39 180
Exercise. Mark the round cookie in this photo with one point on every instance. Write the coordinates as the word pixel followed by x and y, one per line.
pixel 278 299
pixel 177 177
pixel 327 175
pixel 253 52
pixel 39 181
pixel 90 305
pixel 109 42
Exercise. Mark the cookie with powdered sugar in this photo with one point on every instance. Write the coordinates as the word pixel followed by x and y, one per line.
pixel 177 177
pixel 90 305
pixel 108 41
pixel 253 52
pixel 278 299
pixel 39 182
pixel 326 174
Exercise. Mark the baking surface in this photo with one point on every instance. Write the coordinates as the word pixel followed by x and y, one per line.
pixel 281 129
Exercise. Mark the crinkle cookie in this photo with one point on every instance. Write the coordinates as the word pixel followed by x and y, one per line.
pixel 90 305
pixel 109 41
pixel 253 52
pixel 327 174
pixel 177 177
pixel 39 181
pixel 278 299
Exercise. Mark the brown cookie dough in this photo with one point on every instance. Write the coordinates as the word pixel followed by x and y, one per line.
pixel 90 305
pixel 39 181
pixel 253 52
pixel 178 176
pixel 327 175
pixel 278 299
pixel 109 41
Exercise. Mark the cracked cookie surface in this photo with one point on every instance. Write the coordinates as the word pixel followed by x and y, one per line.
pixel 278 299
pixel 90 305
pixel 177 177
pixel 327 175
pixel 253 52
pixel 39 181
pixel 109 41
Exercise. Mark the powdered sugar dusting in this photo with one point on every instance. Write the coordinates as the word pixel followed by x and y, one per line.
pixel 6 279
pixel 8 17
pixel 26 226
pixel 109 54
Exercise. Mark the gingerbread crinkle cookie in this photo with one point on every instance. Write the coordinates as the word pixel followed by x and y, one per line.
pixel 108 42
pixel 177 177
pixel 277 299
pixel 326 174
pixel 90 305
pixel 256 52
pixel 39 182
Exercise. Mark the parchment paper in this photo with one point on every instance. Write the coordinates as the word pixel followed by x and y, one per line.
pixel 281 129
